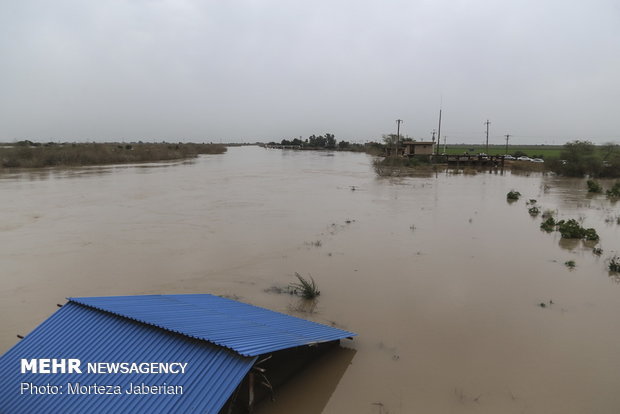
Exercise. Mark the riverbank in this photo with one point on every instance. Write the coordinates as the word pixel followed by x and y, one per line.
pixel 411 166
pixel 26 154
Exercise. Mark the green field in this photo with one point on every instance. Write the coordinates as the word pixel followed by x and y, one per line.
pixel 534 151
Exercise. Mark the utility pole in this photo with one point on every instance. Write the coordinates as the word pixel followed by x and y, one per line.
pixel 487 124
pixel 507 138
pixel 398 122
pixel 439 130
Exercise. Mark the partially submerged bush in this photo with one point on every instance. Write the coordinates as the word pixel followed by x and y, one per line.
pixel 570 264
pixel 306 288
pixel 590 234
pixel 614 192
pixel 513 195
pixel 614 264
pixel 534 211
pixel 597 251
pixel 571 229
pixel 548 225
pixel 594 186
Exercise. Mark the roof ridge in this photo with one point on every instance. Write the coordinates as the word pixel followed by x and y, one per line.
pixel 165 328
pixel 294 336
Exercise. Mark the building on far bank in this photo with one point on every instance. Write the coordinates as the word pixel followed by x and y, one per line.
pixel 410 148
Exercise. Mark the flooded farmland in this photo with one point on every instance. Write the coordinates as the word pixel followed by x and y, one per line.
pixel 442 278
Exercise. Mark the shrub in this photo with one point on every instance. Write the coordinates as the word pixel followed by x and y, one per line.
pixel 579 158
pixel 614 192
pixel 571 229
pixel 534 211
pixel 570 264
pixel 594 186
pixel 614 264
pixel 548 225
pixel 513 195
pixel 590 234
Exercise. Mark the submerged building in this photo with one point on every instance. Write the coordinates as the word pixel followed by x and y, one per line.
pixel 156 354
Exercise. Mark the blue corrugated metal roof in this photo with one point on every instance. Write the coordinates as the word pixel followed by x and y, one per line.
pixel 246 329
pixel 127 329
pixel 77 331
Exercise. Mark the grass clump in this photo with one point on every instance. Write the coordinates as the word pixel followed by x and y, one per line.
pixel 513 195
pixel 305 288
pixel 614 192
pixel 597 251
pixel 594 187
pixel 614 264
pixel 534 211
pixel 570 264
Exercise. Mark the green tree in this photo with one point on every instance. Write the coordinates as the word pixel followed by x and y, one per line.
pixel 318 142
pixel 330 141
pixel 579 158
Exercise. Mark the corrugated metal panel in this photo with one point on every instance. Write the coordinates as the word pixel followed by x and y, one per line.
pixel 246 329
pixel 81 332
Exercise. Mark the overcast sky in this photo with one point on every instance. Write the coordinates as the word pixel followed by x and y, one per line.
pixel 543 71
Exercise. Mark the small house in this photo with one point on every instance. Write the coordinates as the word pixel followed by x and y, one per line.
pixel 411 148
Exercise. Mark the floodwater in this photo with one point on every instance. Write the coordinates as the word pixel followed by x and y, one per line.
pixel 439 275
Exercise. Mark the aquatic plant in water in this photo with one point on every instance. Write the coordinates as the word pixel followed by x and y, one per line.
pixel 513 195
pixel 534 211
pixel 570 264
pixel 614 264
pixel 306 288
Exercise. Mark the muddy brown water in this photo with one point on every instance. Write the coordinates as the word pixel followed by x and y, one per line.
pixel 439 275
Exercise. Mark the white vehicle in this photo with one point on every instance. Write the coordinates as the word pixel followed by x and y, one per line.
pixel 524 158
pixel 537 160
pixel 509 157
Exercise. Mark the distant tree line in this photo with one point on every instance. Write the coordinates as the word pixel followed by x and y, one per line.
pixel 329 141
